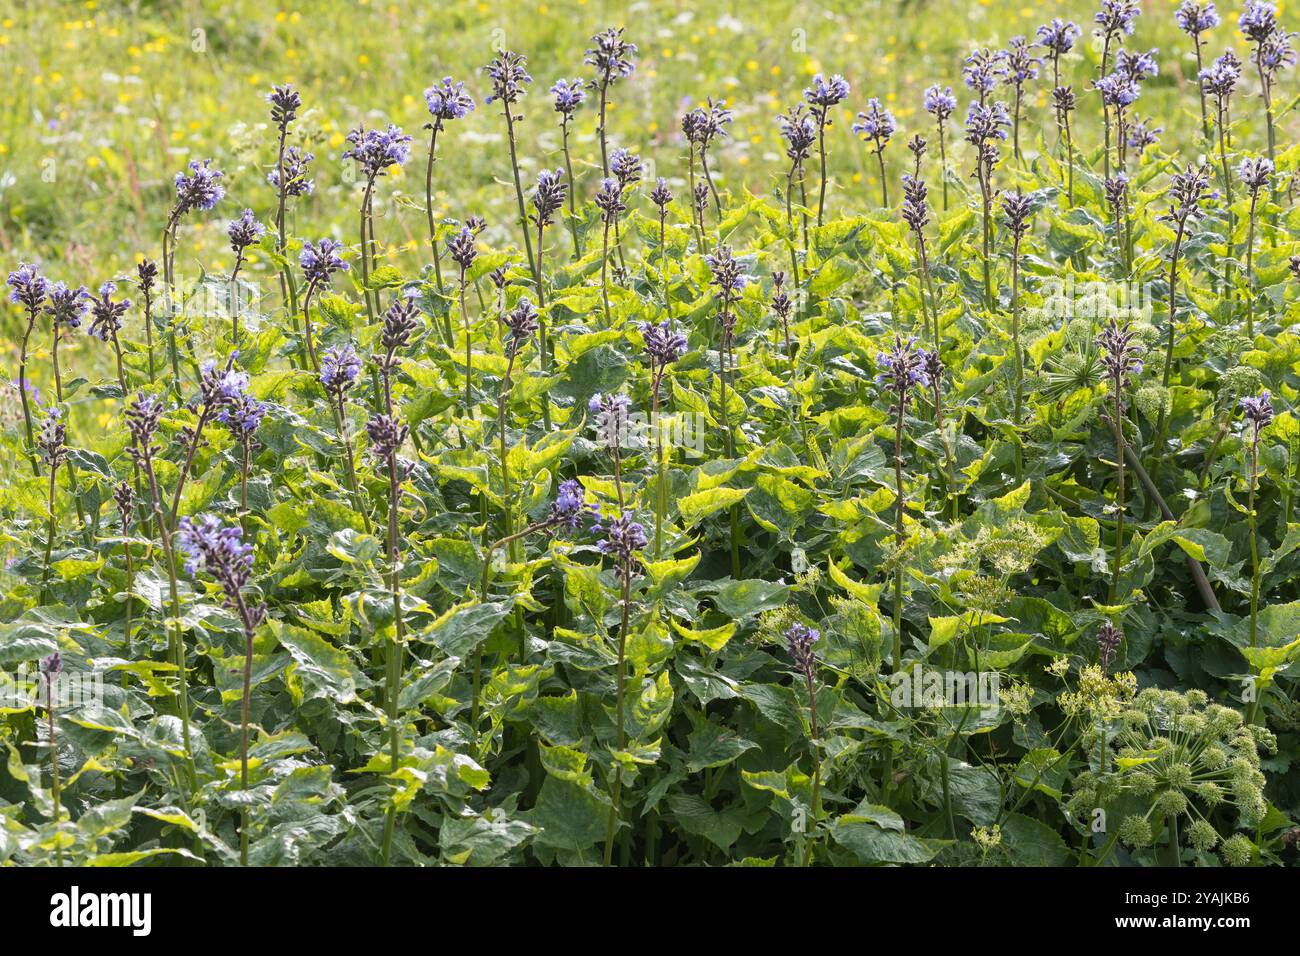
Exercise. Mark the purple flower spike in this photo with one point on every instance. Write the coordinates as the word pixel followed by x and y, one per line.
pixel 448 100
pixel 902 369
pixel 106 315
pixel 876 125
pixel 376 150
pixel 569 95
pixel 570 508
pixel 940 102
pixel 1196 18
pixel 67 306
pixel 244 232
pixel 321 260
pixel 28 287
pixel 339 368
pixel 297 181
pixel 218 549
pixel 200 188
pixel 663 345
pixel 801 642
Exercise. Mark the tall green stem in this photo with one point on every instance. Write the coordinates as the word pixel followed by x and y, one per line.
pixel 435 127
pixel 568 169
pixel 1251 521
pixel 55 789
pixel 1117 424
pixel 24 388
pixel 620 687
pixel 175 635
pixel 519 192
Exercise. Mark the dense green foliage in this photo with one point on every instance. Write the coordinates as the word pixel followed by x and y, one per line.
pixel 996 457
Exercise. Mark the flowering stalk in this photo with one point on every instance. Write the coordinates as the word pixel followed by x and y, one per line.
pixel 719 118
pixel 1114 20
pixel 700 205
pixel 690 131
pixel 105 325
pixel 627 169
pixel 221 551
pixel 610 420
pixel 569 95
pixel 147 273
pixel 1116 189
pixel 447 102
pixel 522 323
pixel 285 102
pixel 142 417
pixel 663 346
pixel 1017 67
pixel 1109 639
pixel 1195 18
pixel 902 369
pixel 730 281
pixel 1258 412
pixel 547 201
pixel 319 261
pixel 28 288
pixel 1016 211
pixel 662 196
pixel 940 103
pixel 609 200
pixel 243 232
pixel 1254 174
pixel 51 667
pixel 800 642
pixel 783 305
pixel 463 253
pixel 1273 52
pixel 876 126
pixel 1120 363
pixel 124 498
pixel 1220 80
pixel 569 510
pixel 339 371
pixel 798 130
pixel 387 433
pixel 916 213
pixel 985 125
pixel 623 539
pixel 217 386
pixel 375 151
pixel 199 188
pixel 821 96
pixel 66 308
pixel 1187 192
pixel 1063 97
pixel 614 58
pixel 1058 39
pixel 242 414
pixel 510 78
pixel 52 442
pixel 933 367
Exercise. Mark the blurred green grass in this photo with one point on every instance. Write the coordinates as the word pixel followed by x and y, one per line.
pixel 109 100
